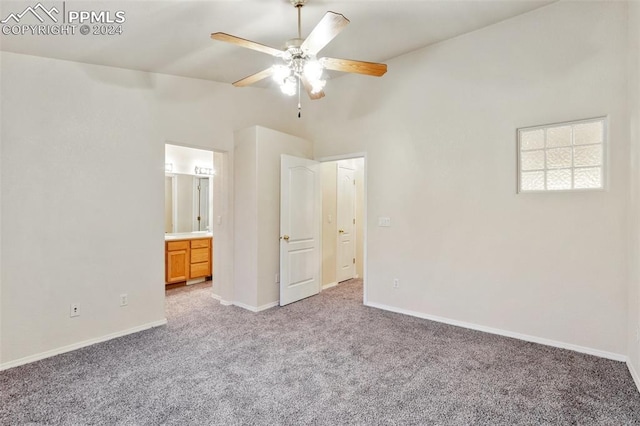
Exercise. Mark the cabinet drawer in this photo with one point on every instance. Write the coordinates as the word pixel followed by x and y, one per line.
pixel 199 255
pixel 200 270
pixel 177 245
pixel 200 243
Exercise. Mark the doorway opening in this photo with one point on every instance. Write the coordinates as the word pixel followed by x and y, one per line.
pixel 322 225
pixel 343 223
pixel 190 199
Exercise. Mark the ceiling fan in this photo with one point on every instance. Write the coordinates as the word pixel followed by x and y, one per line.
pixel 298 64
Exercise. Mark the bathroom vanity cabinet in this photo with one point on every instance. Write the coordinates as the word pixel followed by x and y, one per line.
pixel 187 259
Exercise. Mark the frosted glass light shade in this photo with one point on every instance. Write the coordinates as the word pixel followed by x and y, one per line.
pixel 289 86
pixel 313 70
pixel 280 73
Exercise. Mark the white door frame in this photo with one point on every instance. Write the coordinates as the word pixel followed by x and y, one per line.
pixel 365 269
pixel 174 202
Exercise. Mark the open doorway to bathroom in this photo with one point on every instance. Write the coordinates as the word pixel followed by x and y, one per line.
pixel 189 216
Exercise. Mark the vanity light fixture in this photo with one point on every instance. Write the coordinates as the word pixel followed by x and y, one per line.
pixel 168 167
pixel 204 171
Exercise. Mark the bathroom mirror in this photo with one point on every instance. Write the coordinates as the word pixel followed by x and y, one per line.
pixel 187 203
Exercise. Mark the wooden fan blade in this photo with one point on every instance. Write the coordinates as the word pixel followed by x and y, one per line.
pixel 254 78
pixel 307 87
pixel 246 43
pixel 329 26
pixel 360 67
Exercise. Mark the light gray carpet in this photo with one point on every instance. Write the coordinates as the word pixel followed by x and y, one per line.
pixel 326 360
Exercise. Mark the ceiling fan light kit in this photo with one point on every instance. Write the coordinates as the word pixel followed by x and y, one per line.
pixel 298 65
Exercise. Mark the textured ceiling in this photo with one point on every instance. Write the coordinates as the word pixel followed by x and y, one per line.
pixel 172 37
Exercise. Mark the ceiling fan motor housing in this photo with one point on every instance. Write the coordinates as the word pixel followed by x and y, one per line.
pixel 293 43
pixel 294 57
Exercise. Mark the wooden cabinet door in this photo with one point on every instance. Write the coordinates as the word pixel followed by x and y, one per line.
pixel 177 266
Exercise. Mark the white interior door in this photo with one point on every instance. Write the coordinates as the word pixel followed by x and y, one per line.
pixel 300 222
pixel 346 206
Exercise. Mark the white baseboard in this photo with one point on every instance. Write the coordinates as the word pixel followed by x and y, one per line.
pixel 500 332
pixel 333 284
pixel 221 300
pixel 268 306
pixel 245 306
pixel 634 374
pixel 74 346
pixel 256 308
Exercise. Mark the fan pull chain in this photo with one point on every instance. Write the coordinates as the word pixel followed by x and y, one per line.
pixel 299 107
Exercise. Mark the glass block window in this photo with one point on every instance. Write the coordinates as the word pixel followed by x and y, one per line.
pixel 566 156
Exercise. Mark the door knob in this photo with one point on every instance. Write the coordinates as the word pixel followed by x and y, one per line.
pixel 286 238
pixel 341 231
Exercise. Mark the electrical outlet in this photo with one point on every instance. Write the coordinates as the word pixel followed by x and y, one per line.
pixel 124 299
pixel 384 221
pixel 277 278
pixel 396 283
pixel 638 335
pixel 74 310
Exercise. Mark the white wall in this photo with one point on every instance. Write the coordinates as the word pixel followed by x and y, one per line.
pixel 79 207
pixel 246 217
pixel 329 228
pixel 222 244
pixel 74 228
pixel 257 212
pixel 439 131
pixel 634 262
pixel 271 145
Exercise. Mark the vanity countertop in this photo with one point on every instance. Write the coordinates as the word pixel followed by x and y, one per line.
pixel 187 236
